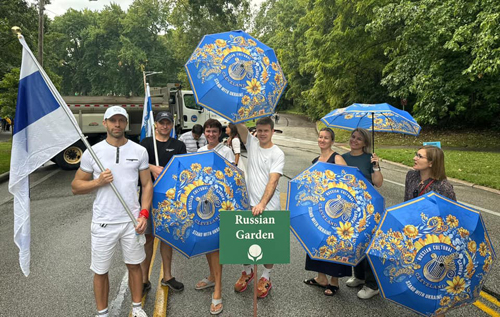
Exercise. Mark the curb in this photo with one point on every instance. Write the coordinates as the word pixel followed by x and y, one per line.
pixel 4 177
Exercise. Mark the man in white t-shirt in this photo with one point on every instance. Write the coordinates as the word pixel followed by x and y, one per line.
pixel 125 161
pixel 264 169
pixel 194 139
pixel 213 130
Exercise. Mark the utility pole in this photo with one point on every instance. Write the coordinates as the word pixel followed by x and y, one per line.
pixel 40 32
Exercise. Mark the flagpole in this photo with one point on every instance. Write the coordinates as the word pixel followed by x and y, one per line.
pixel 151 120
pixel 62 103
pixel 152 123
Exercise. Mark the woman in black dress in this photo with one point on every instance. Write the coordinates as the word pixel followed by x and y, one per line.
pixel 326 139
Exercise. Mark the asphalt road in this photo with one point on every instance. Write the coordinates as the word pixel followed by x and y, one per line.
pixel 60 283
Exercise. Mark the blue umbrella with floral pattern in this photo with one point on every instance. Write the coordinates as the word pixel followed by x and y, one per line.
pixel 333 212
pixel 431 254
pixel 380 117
pixel 236 76
pixel 188 196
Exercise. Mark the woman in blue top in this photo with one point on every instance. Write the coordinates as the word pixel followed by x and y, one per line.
pixel 326 139
pixel 368 164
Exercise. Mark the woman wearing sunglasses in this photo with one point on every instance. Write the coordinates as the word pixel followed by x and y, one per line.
pixel 428 174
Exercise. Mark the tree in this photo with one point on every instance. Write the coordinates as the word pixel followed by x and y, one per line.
pixel 192 19
pixel 443 58
pixel 277 24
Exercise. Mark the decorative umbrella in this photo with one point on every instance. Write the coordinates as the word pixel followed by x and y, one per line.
pixel 236 76
pixel 381 117
pixel 187 198
pixel 333 212
pixel 431 254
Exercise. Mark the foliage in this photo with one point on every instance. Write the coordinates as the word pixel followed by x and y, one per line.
pixel 277 24
pixel 192 19
pixel 441 58
pixel 16 13
pixel 5 148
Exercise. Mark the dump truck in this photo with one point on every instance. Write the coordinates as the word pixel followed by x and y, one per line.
pixel 89 112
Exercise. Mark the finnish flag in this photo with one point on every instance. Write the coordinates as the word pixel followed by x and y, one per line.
pixel 42 129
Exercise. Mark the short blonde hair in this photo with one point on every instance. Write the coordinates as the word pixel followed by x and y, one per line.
pixel 435 156
pixel 366 139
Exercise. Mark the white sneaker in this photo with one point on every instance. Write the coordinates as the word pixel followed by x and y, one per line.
pixel 366 292
pixel 353 282
pixel 139 313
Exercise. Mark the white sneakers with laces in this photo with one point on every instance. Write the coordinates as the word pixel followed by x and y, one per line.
pixel 353 282
pixel 366 292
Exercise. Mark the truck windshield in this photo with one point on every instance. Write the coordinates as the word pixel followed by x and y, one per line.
pixel 190 103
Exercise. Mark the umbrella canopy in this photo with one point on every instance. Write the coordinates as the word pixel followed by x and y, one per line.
pixel 381 117
pixel 333 212
pixel 431 254
pixel 236 76
pixel 187 198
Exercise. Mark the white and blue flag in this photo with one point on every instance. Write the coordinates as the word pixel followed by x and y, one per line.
pixel 147 116
pixel 42 129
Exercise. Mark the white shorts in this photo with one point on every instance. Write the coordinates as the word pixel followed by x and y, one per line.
pixel 105 240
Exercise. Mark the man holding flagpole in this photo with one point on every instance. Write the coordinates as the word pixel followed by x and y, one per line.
pixel 125 163
pixel 167 147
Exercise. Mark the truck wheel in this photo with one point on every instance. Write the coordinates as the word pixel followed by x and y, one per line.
pixel 69 159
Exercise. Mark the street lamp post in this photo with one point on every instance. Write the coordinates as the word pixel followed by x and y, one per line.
pixel 40 32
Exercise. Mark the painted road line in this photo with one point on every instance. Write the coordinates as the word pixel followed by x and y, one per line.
pixel 155 247
pixel 490 298
pixel 486 309
pixel 161 298
pixel 469 205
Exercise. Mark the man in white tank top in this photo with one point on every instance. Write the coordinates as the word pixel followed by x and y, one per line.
pixel 264 169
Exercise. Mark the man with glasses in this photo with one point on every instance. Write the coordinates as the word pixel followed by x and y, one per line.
pixel 167 147
pixel 194 139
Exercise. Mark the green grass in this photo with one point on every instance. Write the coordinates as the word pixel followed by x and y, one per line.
pixel 470 155
pixel 482 168
pixel 464 139
pixel 5 156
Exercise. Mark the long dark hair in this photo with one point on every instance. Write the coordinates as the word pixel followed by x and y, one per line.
pixel 233 131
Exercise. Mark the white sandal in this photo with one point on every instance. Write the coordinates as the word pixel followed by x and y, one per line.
pixel 207 282
pixel 216 302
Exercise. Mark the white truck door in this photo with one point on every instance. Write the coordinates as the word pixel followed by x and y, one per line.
pixel 192 113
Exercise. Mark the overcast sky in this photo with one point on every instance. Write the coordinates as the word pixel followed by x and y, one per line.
pixel 58 7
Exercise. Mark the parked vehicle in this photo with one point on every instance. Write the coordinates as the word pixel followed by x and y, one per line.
pixel 89 111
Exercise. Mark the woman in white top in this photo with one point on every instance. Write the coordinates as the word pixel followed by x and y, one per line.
pixel 234 143
pixel 213 130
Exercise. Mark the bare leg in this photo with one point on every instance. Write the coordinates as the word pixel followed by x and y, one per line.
pixel 148 248
pixel 166 256
pixel 322 279
pixel 101 290
pixel 216 268
pixel 135 281
pixel 334 281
